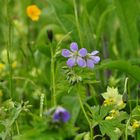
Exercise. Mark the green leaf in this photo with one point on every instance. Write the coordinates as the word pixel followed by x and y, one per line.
pixel 70 102
pixel 98 113
pixel 136 113
pixel 102 21
pixel 15 112
pixel 127 12
pixel 91 4
pixel 80 136
pixel 122 116
pixel 108 127
pixel 44 49
pixel 123 66
pixel 87 136
pixel 35 134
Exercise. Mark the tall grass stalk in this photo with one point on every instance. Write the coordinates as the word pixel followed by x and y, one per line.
pixel 85 114
pixel 53 75
pixel 128 121
pixel 137 99
pixel 9 46
pixel 17 127
pixel 77 23
pixel 126 128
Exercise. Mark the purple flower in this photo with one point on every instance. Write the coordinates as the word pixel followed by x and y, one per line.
pixel 75 56
pixel 80 57
pixel 61 114
pixel 92 59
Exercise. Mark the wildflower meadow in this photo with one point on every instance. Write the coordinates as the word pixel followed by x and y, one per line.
pixel 69 69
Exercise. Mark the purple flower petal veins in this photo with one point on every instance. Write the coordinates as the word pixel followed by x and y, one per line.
pixel 61 114
pixel 66 53
pixel 82 52
pixel 74 47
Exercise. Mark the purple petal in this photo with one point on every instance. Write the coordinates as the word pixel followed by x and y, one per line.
pixel 94 52
pixel 74 46
pixel 90 63
pixel 56 117
pixel 65 116
pixel 95 59
pixel 83 52
pixel 57 114
pixel 81 62
pixel 71 61
pixel 66 53
pixel 61 114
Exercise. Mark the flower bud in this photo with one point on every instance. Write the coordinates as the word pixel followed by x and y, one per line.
pixel 50 35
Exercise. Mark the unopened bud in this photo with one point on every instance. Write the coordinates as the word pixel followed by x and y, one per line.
pixel 125 97
pixel 50 35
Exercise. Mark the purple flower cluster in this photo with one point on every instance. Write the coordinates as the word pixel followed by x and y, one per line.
pixel 80 57
pixel 61 114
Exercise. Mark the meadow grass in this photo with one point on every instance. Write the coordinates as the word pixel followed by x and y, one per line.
pixel 69 70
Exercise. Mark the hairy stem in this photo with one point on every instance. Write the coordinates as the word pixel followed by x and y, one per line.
pixel 53 76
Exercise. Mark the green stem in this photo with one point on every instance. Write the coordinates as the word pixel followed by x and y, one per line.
pixel 53 76
pixel 125 85
pixel 137 100
pixel 77 22
pixel 126 129
pixel 9 46
pixel 17 127
pixel 129 95
pixel 85 114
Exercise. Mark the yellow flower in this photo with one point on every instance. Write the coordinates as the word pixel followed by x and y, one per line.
pixel 111 93
pixel 108 102
pixel 33 12
pixel 109 118
pixel 135 124
pixel 112 114
pixel 112 96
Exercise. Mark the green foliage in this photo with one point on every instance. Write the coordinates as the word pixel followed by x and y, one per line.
pixel 129 32
pixel 123 66
pixel 31 65
pixel 13 110
pixel 115 124
pixel 135 113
